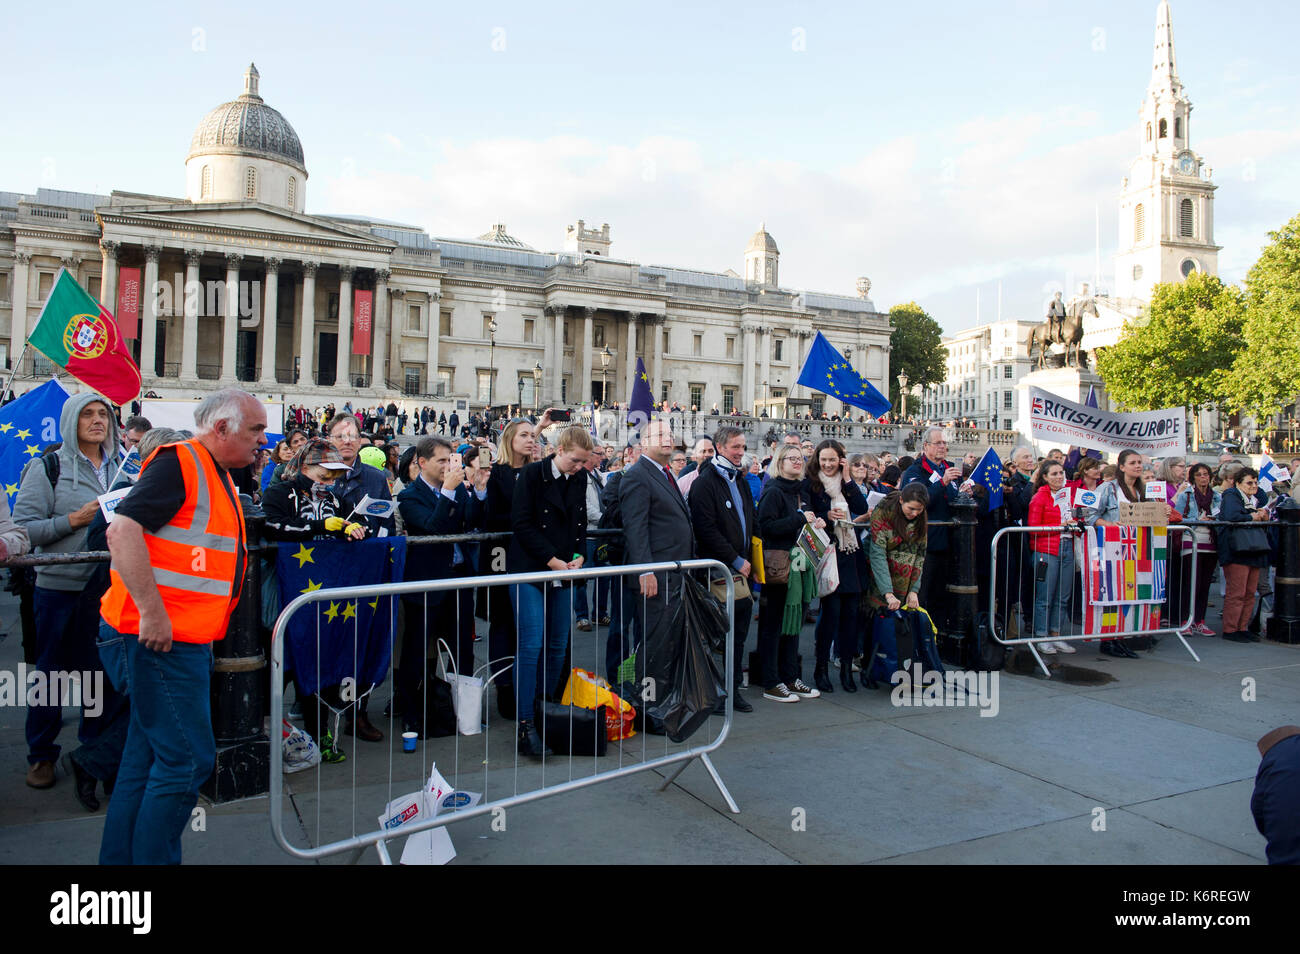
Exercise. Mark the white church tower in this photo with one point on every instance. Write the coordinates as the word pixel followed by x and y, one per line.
pixel 1166 204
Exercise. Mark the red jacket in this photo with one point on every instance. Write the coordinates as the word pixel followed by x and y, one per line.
pixel 1044 513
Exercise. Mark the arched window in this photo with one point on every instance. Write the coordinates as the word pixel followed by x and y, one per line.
pixel 1178 128
pixel 1186 219
pixel 1148 132
pixel 205 188
pixel 1164 129
pixel 293 191
pixel 1187 267
pixel 250 183
pixel 1139 224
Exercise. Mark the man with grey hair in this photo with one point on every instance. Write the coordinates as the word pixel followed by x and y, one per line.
pixel 941 480
pixel 175 582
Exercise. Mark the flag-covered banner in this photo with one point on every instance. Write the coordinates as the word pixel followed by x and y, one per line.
pixel 1054 419
pixel 333 640
pixel 27 426
pixel 80 336
pixel 1126 564
pixel 1100 620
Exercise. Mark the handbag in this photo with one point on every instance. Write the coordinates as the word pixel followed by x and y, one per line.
pixel 776 566
pixel 718 588
pixel 571 730
pixel 1249 541
pixel 828 577
pixel 467 691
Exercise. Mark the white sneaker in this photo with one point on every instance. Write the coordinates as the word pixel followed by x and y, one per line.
pixel 779 693
pixel 1046 648
pixel 1065 648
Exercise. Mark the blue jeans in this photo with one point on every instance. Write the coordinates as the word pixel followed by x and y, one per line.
pixel 66 624
pixel 169 753
pixel 1052 595
pixel 542 621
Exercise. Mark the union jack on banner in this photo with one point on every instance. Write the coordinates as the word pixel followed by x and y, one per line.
pixel 1124 577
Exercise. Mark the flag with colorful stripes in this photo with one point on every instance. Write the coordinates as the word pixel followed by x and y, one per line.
pixel 1124 572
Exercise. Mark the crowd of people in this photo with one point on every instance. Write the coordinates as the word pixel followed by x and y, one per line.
pixel 548 484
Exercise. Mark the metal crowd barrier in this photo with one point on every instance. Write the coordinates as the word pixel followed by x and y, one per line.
pixel 335 788
pixel 1014 591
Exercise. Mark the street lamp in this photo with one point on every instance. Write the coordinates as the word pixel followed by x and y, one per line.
pixel 902 393
pixel 767 399
pixel 605 355
pixel 537 382
pixel 492 368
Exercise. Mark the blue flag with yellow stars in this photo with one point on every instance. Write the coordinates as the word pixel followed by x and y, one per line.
pixel 642 403
pixel 356 636
pixel 988 474
pixel 27 426
pixel 828 371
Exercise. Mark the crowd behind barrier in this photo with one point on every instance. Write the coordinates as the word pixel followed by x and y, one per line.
pixel 808 532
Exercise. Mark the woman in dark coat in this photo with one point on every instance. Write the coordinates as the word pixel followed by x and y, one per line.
pixel 1240 552
pixel 836 499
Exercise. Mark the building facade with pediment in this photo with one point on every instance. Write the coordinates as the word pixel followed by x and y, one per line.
pixel 241 285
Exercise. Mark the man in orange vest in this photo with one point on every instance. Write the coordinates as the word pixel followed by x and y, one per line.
pixel 179 557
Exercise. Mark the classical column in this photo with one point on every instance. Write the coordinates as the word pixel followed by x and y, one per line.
pixel 747 334
pixel 585 393
pixel 765 363
pixel 379 351
pixel 657 355
pixel 270 321
pixel 307 341
pixel 557 355
pixel 801 355
pixel 149 316
pixel 108 275
pixel 396 322
pixel 18 295
pixel 631 354
pixel 190 328
pixel 431 352
pixel 230 330
pixel 343 376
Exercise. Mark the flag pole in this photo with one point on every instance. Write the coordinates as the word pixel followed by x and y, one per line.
pixel 17 364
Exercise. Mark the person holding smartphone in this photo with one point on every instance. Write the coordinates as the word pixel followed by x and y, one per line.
pixel 1053 557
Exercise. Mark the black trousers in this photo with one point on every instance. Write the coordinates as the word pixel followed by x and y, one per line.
pixel 838 624
pixel 779 654
pixel 933 578
pixel 447 615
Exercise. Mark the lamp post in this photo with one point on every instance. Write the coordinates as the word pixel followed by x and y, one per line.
pixel 605 355
pixel 537 382
pixel 767 399
pixel 902 394
pixel 492 368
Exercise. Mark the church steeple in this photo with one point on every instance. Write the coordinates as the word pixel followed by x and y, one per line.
pixel 1164 69
pixel 1166 110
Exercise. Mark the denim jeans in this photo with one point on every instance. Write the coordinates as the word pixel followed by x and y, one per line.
pixel 66 624
pixel 169 753
pixel 1052 594
pixel 542 621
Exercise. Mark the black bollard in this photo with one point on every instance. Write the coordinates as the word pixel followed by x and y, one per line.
pixel 243 766
pixel 958 616
pixel 1284 624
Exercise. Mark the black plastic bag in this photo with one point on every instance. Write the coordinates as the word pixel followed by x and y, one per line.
pixel 696 683
pixel 560 725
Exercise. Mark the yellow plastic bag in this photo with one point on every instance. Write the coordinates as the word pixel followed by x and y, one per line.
pixel 756 560
pixel 586 690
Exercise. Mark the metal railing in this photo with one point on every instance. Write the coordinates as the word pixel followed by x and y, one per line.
pixel 357 842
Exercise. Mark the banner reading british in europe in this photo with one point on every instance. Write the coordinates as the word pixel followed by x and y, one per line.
pixel 1154 433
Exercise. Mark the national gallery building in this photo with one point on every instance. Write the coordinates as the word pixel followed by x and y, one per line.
pixel 249 288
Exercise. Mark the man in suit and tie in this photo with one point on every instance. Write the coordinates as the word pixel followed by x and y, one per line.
pixel 656 528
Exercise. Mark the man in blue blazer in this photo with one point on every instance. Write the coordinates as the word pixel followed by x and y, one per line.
pixel 437 503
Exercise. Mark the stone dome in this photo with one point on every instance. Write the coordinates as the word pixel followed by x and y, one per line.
pixel 247 126
pixel 762 241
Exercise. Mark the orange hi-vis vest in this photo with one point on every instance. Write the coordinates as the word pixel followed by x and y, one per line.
pixel 194 557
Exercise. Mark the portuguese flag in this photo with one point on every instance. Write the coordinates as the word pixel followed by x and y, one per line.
pixel 80 336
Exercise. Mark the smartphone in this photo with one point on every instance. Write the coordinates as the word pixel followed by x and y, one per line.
pixel 457 460
pixel 1040 574
pixel 561 414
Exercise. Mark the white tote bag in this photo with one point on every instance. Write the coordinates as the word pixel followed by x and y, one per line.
pixel 467 691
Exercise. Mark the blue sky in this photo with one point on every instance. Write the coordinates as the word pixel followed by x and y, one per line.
pixel 936 148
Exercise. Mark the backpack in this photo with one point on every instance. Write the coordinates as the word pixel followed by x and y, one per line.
pixel 901 639
pixel 52 467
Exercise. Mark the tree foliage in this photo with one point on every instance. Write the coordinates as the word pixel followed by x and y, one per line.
pixel 1266 375
pixel 915 347
pixel 1181 352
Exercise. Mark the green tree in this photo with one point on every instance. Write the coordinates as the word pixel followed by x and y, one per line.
pixel 1266 375
pixel 915 348
pixel 1180 352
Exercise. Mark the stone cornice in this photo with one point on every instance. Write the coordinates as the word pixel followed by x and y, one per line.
pixel 183 231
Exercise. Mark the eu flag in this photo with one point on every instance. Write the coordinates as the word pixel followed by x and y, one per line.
pixel 27 426
pixel 828 371
pixel 355 636
pixel 988 474
pixel 642 403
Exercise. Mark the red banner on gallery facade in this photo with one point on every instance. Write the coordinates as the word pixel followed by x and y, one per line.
pixel 128 302
pixel 362 314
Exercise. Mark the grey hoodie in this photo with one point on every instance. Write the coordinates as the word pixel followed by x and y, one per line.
pixel 43 511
